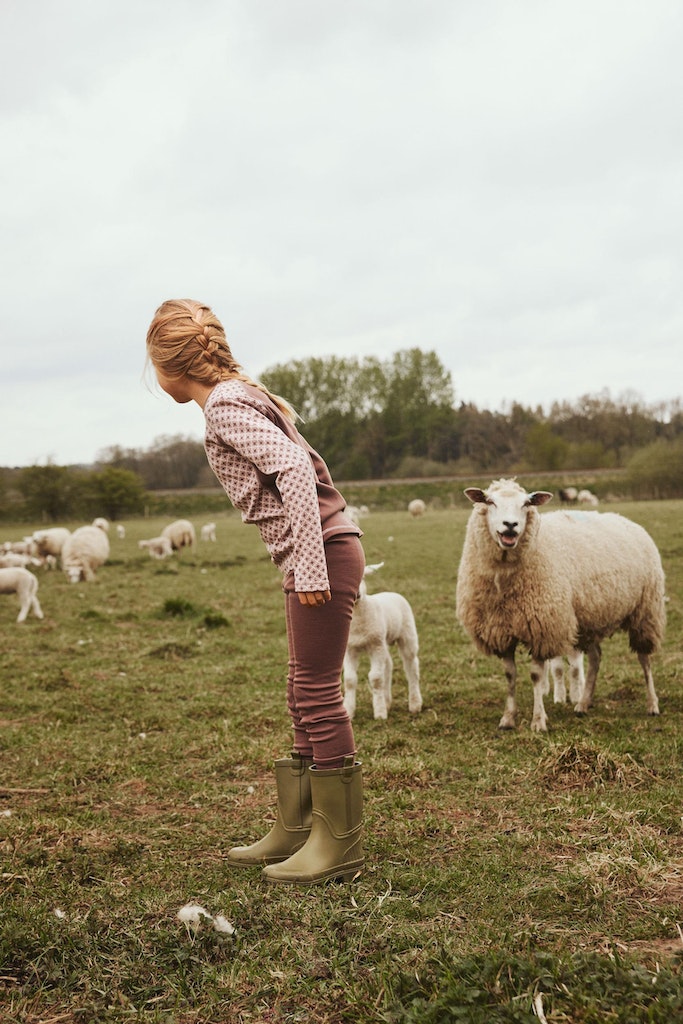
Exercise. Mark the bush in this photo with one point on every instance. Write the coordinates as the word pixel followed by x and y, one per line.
pixel 657 471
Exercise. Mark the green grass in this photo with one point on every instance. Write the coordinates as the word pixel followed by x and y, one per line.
pixel 505 871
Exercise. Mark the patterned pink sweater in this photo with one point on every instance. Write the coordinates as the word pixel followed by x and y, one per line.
pixel 276 480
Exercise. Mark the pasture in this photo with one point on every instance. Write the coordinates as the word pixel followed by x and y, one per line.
pixel 510 876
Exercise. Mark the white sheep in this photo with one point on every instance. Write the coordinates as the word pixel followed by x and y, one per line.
pixel 83 552
pixel 556 583
pixel 417 507
pixel 208 531
pixel 51 541
pixel 158 547
pixel 10 560
pixel 120 531
pixel 24 584
pixel 379 621
pixel 180 533
pixel 586 497
pixel 102 523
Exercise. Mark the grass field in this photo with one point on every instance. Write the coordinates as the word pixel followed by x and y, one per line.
pixel 510 876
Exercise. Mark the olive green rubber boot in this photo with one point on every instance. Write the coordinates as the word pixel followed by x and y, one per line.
pixel 293 819
pixel 334 848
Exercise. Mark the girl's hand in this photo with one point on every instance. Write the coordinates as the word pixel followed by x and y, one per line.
pixel 315 597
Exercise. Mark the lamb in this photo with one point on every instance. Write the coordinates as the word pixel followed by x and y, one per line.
pixel 556 583
pixel 208 531
pixel 24 584
pixel 586 497
pixel 11 560
pixel 568 495
pixel 180 533
pixel 50 542
pixel 84 551
pixel 158 547
pixel 379 621
pixel 417 507
pixel 120 531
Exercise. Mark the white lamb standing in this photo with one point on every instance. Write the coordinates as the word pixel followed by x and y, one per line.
pixel 379 621
pixel 24 584
pixel 417 507
pixel 208 531
pixel 120 531
pixel 180 533
pixel 556 583
pixel 84 551
pixel 158 547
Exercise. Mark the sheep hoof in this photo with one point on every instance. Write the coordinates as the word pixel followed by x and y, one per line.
pixel 507 723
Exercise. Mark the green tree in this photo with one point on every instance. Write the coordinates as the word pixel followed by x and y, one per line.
pixel 656 471
pixel 116 492
pixel 49 492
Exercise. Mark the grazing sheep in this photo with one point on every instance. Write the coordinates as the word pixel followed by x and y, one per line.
pixel 11 560
pixel 568 495
pixel 180 533
pixel 556 583
pixel 208 531
pixel 158 547
pixel 102 523
pixel 24 584
pixel 379 621
pixel 50 542
pixel 120 531
pixel 84 551
pixel 417 507
pixel 586 497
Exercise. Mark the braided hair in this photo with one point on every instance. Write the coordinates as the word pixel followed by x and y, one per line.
pixel 186 339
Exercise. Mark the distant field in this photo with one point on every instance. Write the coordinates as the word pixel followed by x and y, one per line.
pixel 507 872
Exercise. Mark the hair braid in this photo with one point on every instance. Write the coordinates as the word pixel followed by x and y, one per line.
pixel 186 338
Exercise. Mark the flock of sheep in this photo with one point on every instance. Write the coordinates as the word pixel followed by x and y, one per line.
pixel 555 584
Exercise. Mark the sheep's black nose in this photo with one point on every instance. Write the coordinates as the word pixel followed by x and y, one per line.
pixel 510 526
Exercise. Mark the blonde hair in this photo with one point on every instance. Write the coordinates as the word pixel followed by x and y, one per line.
pixel 186 339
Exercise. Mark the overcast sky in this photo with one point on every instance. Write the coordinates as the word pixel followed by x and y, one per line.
pixel 500 182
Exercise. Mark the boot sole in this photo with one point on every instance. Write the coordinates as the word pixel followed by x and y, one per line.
pixel 345 874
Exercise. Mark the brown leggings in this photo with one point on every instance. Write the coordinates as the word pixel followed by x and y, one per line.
pixel 317 637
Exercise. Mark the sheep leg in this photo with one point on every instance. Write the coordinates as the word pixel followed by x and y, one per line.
pixel 380 681
pixel 539 676
pixel 351 659
pixel 594 655
pixel 652 702
pixel 576 677
pixel 411 667
pixel 557 672
pixel 25 600
pixel 509 719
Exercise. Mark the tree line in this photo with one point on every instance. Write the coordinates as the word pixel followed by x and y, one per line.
pixel 375 419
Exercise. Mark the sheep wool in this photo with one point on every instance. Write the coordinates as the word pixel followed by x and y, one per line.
pixel 555 583
pixel 181 533
pixel 83 552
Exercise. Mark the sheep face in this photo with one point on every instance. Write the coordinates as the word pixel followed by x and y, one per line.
pixel 506 506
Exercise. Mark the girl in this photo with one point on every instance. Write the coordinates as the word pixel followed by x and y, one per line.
pixel 277 481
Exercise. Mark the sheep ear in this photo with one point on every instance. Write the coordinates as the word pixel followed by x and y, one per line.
pixel 475 494
pixel 372 568
pixel 540 497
